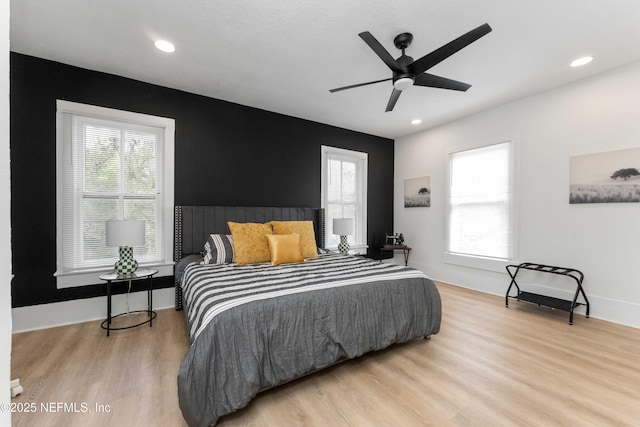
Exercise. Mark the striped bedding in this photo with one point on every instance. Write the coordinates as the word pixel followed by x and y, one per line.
pixel 210 290
pixel 256 326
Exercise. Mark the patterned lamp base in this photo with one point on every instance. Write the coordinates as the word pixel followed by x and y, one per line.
pixel 126 264
pixel 343 246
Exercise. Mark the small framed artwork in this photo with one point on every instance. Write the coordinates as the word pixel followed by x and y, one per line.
pixel 609 177
pixel 417 192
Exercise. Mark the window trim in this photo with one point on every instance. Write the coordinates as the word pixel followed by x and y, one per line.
pixel 363 159
pixel 475 261
pixel 88 276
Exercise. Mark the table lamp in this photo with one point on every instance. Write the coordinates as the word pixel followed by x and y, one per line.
pixel 343 227
pixel 125 234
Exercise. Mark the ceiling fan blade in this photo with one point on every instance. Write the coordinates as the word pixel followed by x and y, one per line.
pixel 431 80
pixel 375 45
pixel 358 85
pixel 429 60
pixel 393 99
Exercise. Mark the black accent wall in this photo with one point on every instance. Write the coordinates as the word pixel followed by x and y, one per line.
pixel 225 154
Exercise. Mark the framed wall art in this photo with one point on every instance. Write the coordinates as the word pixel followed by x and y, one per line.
pixel 417 192
pixel 609 177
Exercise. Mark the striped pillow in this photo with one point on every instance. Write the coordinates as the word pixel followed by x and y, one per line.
pixel 218 249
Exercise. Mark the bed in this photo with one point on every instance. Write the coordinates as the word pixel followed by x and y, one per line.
pixel 255 326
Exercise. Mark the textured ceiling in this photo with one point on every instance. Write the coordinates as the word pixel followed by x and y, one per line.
pixel 285 55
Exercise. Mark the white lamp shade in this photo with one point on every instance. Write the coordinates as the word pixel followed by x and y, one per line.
pixel 343 226
pixel 128 232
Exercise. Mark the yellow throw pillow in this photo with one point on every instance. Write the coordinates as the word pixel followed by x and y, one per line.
pixel 250 242
pixel 284 248
pixel 304 229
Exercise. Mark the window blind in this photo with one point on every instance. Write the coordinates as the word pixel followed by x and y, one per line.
pixel 344 192
pixel 110 170
pixel 480 202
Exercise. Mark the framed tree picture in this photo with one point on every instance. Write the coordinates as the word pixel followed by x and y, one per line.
pixel 417 192
pixel 610 177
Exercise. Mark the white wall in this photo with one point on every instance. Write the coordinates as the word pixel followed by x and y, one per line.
pixel 5 218
pixel 594 115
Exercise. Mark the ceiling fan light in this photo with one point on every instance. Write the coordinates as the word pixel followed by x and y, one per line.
pixel 403 83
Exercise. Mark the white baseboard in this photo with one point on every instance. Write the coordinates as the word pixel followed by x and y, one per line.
pixel 616 311
pixel 45 316
pixel 78 311
pixel 622 312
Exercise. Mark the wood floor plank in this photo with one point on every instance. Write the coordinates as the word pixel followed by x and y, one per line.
pixel 489 366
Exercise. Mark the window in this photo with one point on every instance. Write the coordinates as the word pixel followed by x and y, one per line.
pixel 480 210
pixel 111 164
pixel 344 193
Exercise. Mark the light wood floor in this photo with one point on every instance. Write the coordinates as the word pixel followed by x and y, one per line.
pixel 489 366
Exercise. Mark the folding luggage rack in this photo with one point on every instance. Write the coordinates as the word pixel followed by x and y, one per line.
pixel 545 300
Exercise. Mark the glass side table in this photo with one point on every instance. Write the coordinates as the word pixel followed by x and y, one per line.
pixel 139 274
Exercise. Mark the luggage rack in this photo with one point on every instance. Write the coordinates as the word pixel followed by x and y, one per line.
pixel 545 300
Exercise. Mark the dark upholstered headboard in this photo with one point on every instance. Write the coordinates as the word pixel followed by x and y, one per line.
pixel 193 224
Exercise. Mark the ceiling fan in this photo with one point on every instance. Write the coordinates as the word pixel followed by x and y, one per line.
pixel 407 72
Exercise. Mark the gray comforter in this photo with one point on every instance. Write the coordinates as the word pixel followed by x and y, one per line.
pixel 255 327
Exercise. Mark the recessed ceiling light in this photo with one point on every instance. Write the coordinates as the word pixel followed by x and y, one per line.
pixel 416 121
pixel 165 46
pixel 582 61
